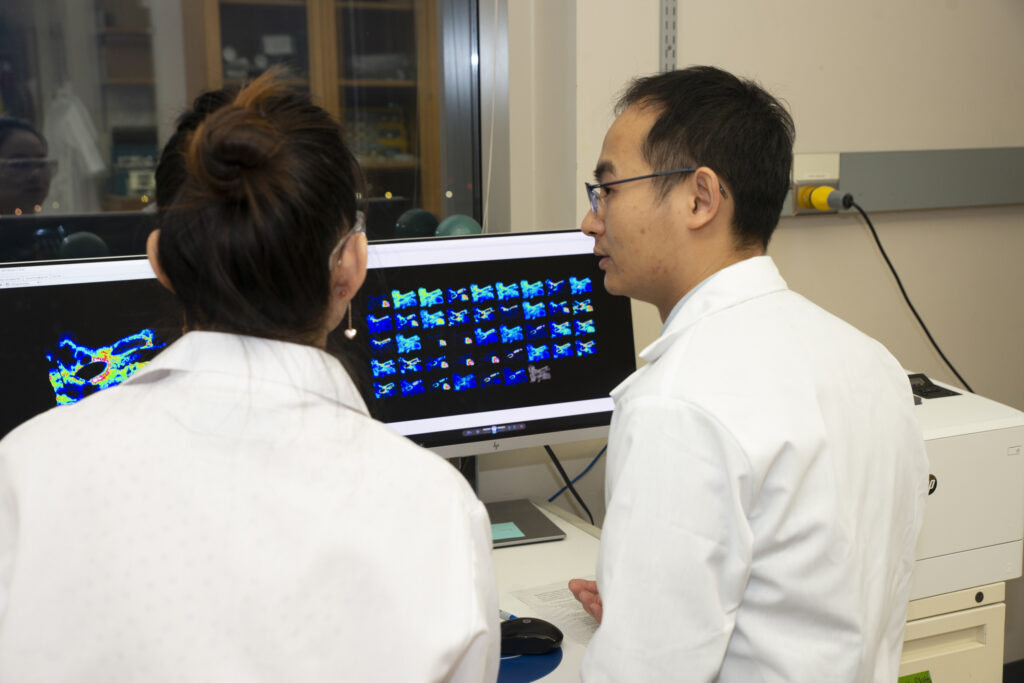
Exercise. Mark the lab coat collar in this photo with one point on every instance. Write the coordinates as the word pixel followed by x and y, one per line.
pixel 254 358
pixel 735 284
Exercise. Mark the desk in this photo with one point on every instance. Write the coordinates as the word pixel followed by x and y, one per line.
pixel 979 621
pixel 538 564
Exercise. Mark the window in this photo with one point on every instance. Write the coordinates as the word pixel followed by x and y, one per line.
pixel 102 82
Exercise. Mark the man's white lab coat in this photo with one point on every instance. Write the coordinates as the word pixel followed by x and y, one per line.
pixel 230 513
pixel 766 480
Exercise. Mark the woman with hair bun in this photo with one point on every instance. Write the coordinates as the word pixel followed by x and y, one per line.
pixel 231 512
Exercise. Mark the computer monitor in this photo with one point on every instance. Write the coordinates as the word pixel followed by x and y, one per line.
pixel 72 328
pixel 466 345
pixel 484 343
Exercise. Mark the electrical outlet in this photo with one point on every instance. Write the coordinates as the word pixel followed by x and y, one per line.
pixel 802 195
pixel 810 171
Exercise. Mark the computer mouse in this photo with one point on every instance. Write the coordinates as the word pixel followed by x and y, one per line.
pixel 528 636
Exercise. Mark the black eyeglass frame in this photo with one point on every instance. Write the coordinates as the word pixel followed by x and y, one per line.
pixel 595 198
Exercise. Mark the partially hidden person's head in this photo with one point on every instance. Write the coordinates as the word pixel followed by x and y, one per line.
pixel 254 240
pixel 708 117
pixel 25 170
pixel 170 170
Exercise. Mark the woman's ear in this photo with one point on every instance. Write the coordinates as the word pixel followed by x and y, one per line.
pixel 349 270
pixel 153 254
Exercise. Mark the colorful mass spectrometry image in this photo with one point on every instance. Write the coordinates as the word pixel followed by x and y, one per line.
pixel 419 333
pixel 77 371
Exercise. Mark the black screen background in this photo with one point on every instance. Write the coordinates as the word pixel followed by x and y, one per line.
pixel 572 379
pixel 95 314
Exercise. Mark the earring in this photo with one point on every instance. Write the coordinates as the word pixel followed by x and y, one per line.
pixel 350 332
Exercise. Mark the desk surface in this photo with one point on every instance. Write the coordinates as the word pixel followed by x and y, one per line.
pixel 518 568
pixel 523 567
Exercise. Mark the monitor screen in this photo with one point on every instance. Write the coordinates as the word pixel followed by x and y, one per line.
pixel 482 343
pixel 466 345
pixel 76 327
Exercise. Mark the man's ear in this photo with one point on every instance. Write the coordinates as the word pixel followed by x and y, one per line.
pixel 707 197
pixel 349 271
pixel 153 254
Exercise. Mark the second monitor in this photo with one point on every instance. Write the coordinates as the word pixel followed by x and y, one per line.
pixel 484 343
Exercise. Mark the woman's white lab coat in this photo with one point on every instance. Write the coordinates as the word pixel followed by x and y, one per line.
pixel 230 513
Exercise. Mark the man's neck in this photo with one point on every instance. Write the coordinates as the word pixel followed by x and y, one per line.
pixel 706 268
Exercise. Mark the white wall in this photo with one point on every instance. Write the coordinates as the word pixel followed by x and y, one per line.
pixel 875 75
pixel 869 76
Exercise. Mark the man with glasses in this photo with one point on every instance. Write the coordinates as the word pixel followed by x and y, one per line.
pixel 766 475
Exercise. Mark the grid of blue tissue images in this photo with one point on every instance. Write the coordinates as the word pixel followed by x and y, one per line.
pixel 474 335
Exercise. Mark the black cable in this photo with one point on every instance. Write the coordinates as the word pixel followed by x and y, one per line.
pixel 847 202
pixel 581 474
pixel 568 483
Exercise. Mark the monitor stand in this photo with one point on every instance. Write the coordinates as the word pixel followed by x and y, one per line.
pixel 468 466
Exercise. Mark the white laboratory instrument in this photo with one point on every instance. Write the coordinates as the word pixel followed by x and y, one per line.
pixel 973 535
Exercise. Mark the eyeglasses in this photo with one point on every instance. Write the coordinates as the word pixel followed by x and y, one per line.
pixel 358 229
pixel 595 195
pixel 28 165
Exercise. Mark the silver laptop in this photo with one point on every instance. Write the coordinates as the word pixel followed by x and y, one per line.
pixel 516 522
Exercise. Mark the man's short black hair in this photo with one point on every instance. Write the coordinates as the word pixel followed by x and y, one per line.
pixel 708 117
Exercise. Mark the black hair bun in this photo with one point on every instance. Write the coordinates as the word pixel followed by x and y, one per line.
pixel 234 152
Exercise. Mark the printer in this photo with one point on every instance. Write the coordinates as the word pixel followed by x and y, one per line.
pixel 973 531
pixel 972 539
